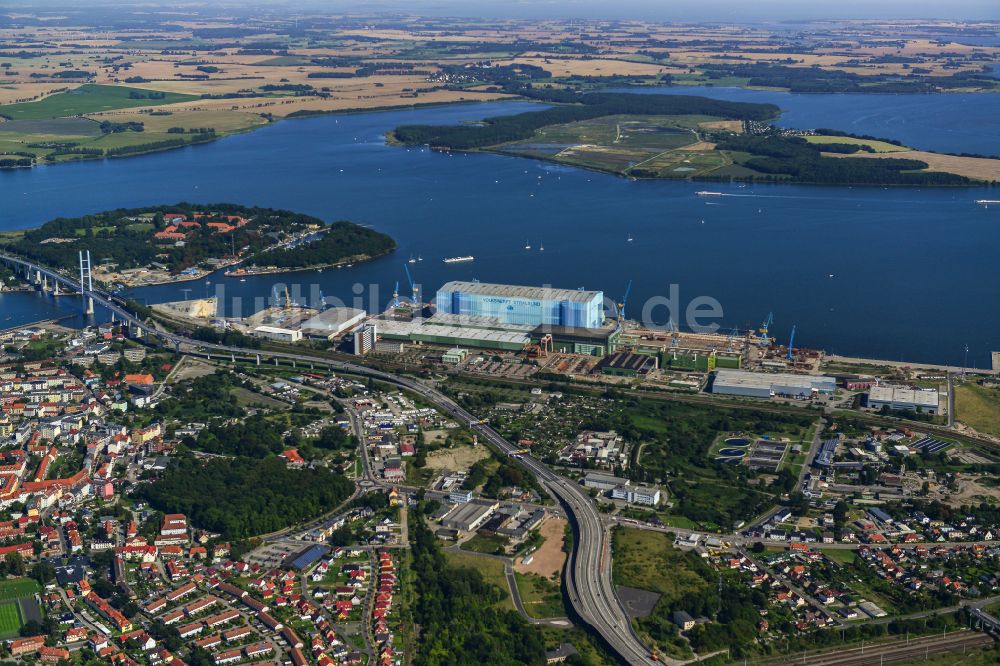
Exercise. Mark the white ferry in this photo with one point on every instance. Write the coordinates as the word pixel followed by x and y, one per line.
pixel 987 202
pixel 458 260
pixel 709 194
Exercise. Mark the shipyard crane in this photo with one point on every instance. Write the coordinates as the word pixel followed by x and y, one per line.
pixel 731 340
pixel 413 288
pixel 791 344
pixel 765 326
pixel 395 303
pixel 621 306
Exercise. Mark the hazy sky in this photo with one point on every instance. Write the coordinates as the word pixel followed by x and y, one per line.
pixel 698 10
pixel 666 10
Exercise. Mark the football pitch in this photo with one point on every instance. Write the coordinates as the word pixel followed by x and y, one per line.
pixel 10 618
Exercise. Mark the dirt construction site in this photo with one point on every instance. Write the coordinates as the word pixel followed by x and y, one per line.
pixel 548 560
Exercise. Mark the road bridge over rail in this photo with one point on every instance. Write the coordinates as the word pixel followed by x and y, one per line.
pixel 588 574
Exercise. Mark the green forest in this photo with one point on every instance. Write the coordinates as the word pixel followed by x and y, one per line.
pixel 460 622
pixel 344 240
pixel 574 107
pixel 795 159
pixel 214 495
pixel 124 237
pixel 818 80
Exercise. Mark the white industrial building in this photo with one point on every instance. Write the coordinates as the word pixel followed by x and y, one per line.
pixel 331 323
pixel 278 334
pixel 637 495
pixel 365 339
pixel 901 397
pixel 603 481
pixel 766 385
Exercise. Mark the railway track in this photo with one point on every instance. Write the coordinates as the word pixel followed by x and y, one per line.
pixel 895 652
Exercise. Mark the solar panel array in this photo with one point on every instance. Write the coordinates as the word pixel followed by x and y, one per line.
pixel 929 445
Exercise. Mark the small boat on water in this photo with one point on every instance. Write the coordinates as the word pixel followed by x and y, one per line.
pixel 527 245
pixel 412 260
pixel 704 193
pixel 458 260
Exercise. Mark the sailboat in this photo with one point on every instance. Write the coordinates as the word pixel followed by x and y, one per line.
pixel 527 245
pixel 420 258
pixel 412 260
pixel 629 237
pixel 541 248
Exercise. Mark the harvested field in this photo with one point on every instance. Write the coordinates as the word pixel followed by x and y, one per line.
pixel 978 168
pixel 735 126
pixel 595 67
pixel 548 560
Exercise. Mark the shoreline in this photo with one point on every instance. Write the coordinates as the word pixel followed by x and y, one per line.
pixel 307 113
pixel 295 115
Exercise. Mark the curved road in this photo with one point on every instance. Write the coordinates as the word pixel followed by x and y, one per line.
pixel 588 578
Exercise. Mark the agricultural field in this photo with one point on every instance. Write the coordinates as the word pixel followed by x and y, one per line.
pixel 89 98
pixel 978 407
pixel 877 146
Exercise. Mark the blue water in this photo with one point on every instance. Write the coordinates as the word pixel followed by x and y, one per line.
pixel 952 123
pixel 914 272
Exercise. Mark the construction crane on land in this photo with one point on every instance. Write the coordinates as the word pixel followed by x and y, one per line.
pixel 621 306
pixel 395 303
pixel 413 288
pixel 791 344
pixel 288 299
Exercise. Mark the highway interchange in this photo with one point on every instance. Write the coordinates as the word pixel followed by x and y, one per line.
pixel 588 578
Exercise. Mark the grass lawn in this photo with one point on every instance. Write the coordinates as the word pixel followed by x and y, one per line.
pixel 542 598
pixel 491 545
pixel 648 561
pixel 679 521
pixel 15 588
pixel 840 555
pixel 88 98
pixel 10 619
pixel 978 407
pixel 492 571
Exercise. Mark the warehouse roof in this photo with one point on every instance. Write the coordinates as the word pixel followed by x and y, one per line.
pixel 390 328
pixel 515 291
pixel 762 380
pixel 333 320
pixel 904 396
pixel 575 332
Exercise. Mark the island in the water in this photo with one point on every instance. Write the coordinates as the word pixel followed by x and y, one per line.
pixel 689 137
pixel 185 241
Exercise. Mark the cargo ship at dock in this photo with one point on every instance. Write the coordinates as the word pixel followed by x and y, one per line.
pixel 458 260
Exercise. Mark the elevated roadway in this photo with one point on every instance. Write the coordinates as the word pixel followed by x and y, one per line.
pixel 588 576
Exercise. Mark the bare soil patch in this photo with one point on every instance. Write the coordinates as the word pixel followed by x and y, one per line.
pixel 548 560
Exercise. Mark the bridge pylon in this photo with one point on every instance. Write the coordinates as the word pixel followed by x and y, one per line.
pixel 86 283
